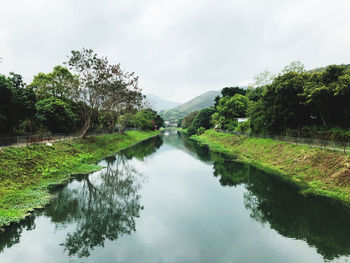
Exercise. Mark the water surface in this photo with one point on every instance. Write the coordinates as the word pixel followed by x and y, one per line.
pixel 169 200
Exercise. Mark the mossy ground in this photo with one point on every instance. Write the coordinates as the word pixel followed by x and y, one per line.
pixel 317 171
pixel 27 173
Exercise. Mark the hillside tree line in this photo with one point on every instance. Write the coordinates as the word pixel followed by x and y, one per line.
pixel 87 93
pixel 294 102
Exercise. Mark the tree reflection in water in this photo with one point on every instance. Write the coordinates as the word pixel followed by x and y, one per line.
pixel 323 224
pixel 101 206
pixel 104 205
pixel 12 235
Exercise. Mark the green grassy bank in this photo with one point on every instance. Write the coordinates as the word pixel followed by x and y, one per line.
pixel 27 173
pixel 317 171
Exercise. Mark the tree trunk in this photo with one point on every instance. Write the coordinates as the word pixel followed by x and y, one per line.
pixel 122 130
pixel 85 128
pixel 324 123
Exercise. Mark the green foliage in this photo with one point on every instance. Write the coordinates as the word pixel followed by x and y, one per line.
pixel 229 92
pixel 297 99
pixel 228 109
pixel 201 120
pixel 243 127
pixel 99 91
pixel 188 120
pixel 147 119
pixel 17 102
pixel 59 83
pixel 56 114
pixel 200 130
pixel 103 87
pixel 280 106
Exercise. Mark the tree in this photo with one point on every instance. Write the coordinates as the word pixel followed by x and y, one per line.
pixel 295 66
pixel 93 74
pixel 123 97
pixel 202 119
pixel 281 106
pixel 263 78
pixel 104 88
pixel 228 109
pixel 230 92
pixel 56 114
pixel 327 94
pixel 58 83
pixel 188 119
pixel 17 102
pixel 147 119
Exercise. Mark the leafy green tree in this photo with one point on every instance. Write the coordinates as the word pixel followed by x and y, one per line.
pixel 103 87
pixel 6 94
pixel 93 74
pixel 255 93
pixel 58 83
pixel 179 122
pixel 327 94
pixel 229 92
pixel 228 109
pixel 56 115
pixel 313 103
pixel 202 120
pixel 281 107
pixel 147 119
pixel 188 119
pixel 17 102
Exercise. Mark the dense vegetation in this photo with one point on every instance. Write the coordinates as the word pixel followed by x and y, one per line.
pixel 91 93
pixel 294 103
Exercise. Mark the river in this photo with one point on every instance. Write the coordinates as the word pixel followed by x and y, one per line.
pixel 169 200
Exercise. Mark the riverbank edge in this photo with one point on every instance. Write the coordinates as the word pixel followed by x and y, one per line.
pixel 315 171
pixel 28 173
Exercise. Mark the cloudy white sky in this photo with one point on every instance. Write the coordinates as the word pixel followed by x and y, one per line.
pixel 180 48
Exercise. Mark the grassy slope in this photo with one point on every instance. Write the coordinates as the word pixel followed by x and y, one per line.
pixel 26 173
pixel 318 171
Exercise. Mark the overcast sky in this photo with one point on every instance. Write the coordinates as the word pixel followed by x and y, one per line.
pixel 181 48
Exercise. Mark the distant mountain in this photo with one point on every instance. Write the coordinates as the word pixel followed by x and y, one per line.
pixel 159 104
pixel 200 102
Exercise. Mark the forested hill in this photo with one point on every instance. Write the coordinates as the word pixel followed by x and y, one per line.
pixel 200 102
pixel 159 104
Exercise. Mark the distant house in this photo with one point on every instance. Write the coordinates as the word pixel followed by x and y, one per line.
pixel 242 119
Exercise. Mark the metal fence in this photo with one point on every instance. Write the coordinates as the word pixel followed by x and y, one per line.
pixel 43 138
pixel 325 144
pixel 47 138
